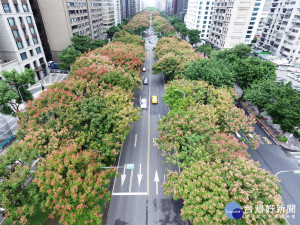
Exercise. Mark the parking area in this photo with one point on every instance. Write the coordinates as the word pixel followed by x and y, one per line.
pixel 284 75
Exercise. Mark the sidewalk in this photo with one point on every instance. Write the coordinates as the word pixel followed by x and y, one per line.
pixel 292 144
pixel 35 90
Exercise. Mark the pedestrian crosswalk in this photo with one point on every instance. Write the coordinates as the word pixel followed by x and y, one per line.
pixel 296 155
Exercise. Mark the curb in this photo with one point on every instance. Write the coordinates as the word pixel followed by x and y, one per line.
pixel 270 133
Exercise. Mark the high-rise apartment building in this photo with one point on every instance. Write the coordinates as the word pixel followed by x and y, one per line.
pixel 281 31
pixel 234 22
pixel 20 44
pixel 180 8
pixel 128 8
pixel 60 20
pixel 199 15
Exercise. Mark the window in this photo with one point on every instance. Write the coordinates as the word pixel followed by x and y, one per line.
pixel 207 8
pixel 21 20
pixel 198 21
pixel 250 28
pixel 34 64
pixel 25 8
pixel 206 13
pixel 255 9
pixel 203 31
pixel 11 21
pixel 197 26
pixel 204 22
pixel 254 14
pixel 199 17
pixel 23 55
pixel 204 26
pixel 28 42
pixel 28 18
pixel 248 36
pixel 6 8
pixel 253 18
pixel 249 31
pixel 257 4
pixel 202 35
pixel 35 40
pixel 19 44
pixel 24 31
pixel 207 3
pixel 201 3
pixel 16 7
pixel 31 52
pixel 200 7
pixel 32 31
pixel 16 33
pixel 252 23
pixel 38 50
pixel 205 17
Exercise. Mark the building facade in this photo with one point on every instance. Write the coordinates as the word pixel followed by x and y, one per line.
pixel 20 44
pixel 199 16
pixel 234 22
pixel 281 31
pixel 60 20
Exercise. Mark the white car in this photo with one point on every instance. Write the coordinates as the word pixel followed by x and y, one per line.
pixel 144 103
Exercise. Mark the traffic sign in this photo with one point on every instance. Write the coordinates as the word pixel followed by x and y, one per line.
pixel 130 166
pixel 296 171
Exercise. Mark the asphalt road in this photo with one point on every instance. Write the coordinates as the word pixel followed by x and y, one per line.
pixel 137 196
pixel 274 158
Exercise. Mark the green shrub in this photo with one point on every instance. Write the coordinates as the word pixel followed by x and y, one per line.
pixel 260 116
pixel 283 139
pixel 296 134
pixel 277 136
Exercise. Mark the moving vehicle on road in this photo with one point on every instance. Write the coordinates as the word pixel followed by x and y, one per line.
pixel 145 81
pixel 154 99
pixel 144 103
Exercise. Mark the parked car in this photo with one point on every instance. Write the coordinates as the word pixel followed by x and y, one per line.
pixel 145 81
pixel 297 77
pixel 144 69
pixel 144 103
pixel 54 65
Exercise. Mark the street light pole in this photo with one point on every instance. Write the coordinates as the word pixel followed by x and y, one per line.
pixel 181 92
pixel 18 88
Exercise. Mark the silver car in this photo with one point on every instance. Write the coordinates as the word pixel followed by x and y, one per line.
pixel 144 103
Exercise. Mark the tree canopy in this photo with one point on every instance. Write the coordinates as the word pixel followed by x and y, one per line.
pixel 67 57
pixel 194 36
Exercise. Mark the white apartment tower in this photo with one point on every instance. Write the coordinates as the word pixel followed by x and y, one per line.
pixel 20 44
pixel 199 16
pixel 281 31
pixel 234 22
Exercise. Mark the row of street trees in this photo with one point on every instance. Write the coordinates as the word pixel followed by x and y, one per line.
pixel 168 26
pixel 255 77
pixel 197 134
pixel 75 129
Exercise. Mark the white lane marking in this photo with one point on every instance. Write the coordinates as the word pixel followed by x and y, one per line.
pixel 297 156
pixel 140 175
pixel 157 88
pixel 123 176
pixel 130 184
pixel 245 136
pixel 142 87
pixel 56 78
pixel 135 139
pixel 294 152
pixel 258 137
pixel 159 116
pixel 62 77
pixel 15 124
pixel 130 193
pixel 156 180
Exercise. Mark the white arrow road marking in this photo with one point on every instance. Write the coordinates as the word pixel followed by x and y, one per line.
pixel 130 184
pixel 140 175
pixel 123 176
pixel 135 139
pixel 156 179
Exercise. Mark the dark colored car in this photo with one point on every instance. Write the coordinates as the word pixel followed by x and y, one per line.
pixel 145 81
pixel 54 66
